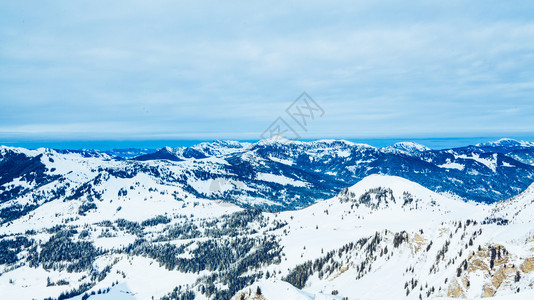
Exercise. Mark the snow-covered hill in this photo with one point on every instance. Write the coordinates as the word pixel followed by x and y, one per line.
pixel 383 238
pixel 405 241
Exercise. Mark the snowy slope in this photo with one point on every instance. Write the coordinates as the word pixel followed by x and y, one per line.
pixel 78 222
pixel 422 229
pixel 518 209
pixel 273 289
pixel 385 232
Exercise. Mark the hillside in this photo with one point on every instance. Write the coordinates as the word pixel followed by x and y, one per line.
pixel 385 237
pixel 268 175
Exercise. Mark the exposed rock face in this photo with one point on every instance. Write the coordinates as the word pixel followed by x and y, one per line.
pixel 528 265
pixel 455 290
pixel 498 268
pixel 418 242
pixel 503 277
pixel 489 291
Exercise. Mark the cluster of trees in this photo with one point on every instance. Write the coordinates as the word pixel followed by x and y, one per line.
pixel 84 208
pixel 234 282
pixel 59 282
pixel 156 221
pixel 14 212
pixel 74 292
pixel 300 274
pixel 212 255
pixel 327 264
pixel 19 165
pixel 333 260
pixel 382 195
pixel 227 259
pixel 400 238
pixel 178 294
pixel 130 227
pixel 166 254
pixel 87 190
pixel 408 198
pixel 232 256
pixel 498 221
pixel 238 223
pixel 496 252
pixel 463 266
pixel 180 231
pixel 9 248
pixel 61 252
pixel 233 225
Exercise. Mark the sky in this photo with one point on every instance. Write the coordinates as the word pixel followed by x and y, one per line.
pixel 202 70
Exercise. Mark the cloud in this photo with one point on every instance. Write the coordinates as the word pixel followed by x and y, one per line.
pixel 181 69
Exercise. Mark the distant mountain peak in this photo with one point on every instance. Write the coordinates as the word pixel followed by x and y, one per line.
pixel 315 143
pixel 277 140
pixel 407 147
pixel 506 142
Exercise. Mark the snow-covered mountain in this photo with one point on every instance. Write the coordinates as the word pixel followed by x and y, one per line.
pixel 129 152
pixel 182 222
pixel 507 143
pixel 407 148
pixel 268 174
pixel 383 238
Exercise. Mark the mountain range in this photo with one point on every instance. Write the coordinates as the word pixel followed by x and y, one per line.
pixel 269 175
pixel 269 220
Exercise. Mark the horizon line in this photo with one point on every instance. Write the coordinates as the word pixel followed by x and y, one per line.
pixel 435 143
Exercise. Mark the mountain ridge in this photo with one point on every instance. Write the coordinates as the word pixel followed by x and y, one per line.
pixel 325 167
pixel 384 230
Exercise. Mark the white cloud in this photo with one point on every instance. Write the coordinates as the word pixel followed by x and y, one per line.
pixel 206 69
